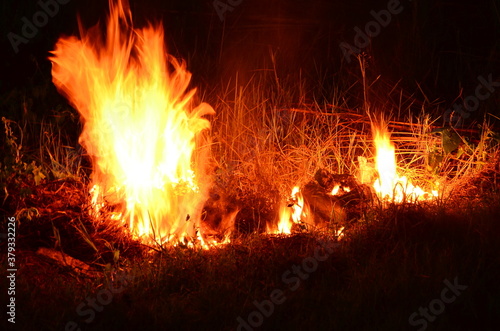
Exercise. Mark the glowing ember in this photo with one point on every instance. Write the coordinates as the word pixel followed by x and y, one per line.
pixel 338 189
pixel 389 185
pixel 335 190
pixel 340 233
pixel 141 128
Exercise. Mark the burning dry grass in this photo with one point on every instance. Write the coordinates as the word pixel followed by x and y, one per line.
pixel 269 136
pixel 263 146
pixel 264 149
pixel 392 258
pixel 142 133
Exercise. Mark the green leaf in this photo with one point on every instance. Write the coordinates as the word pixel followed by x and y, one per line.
pixel 116 256
pixel 495 136
pixel 438 130
pixel 37 174
pixel 434 160
pixel 451 140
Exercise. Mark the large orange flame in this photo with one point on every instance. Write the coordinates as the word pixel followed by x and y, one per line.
pixel 141 128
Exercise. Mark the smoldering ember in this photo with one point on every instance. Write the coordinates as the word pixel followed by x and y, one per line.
pixel 244 165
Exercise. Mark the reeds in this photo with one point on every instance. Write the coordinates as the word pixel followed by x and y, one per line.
pixel 273 146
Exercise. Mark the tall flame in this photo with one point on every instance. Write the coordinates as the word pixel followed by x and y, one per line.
pixel 389 185
pixel 140 127
pixel 385 161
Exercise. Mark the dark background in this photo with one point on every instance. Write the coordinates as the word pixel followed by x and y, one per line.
pixel 438 48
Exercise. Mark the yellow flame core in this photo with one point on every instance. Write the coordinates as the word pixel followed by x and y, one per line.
pixel 284 223
pixel 140 127
pixel 290 214
pixel 389 185
pixel 385 161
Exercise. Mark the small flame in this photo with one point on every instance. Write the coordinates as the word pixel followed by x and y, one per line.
pixel 295 211
pixel 285 221
pixel 339 233
pixel 298 207
pixel 141 128
pixel 335 190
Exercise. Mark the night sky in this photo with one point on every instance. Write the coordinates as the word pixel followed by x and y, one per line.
pixel 441 45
